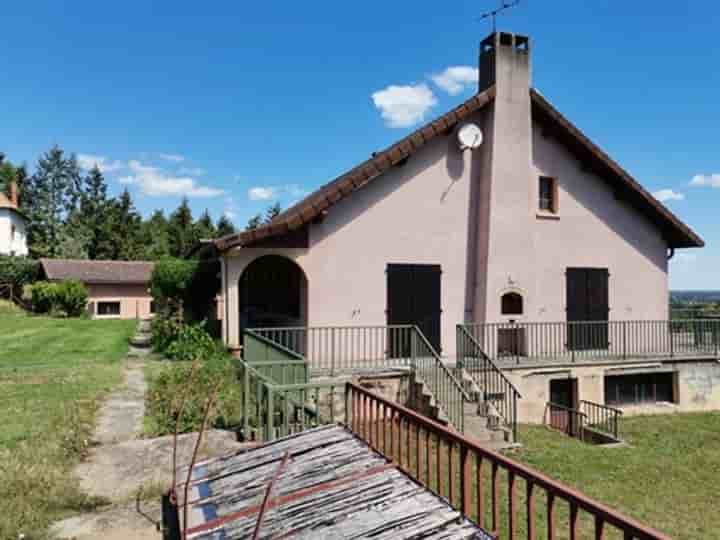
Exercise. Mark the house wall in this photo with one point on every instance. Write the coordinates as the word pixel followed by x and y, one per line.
pixel 134 299
pixel 417 213
pixel 528 251
pixel 698 386
pixel 8 244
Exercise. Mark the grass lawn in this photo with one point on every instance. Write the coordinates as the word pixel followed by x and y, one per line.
pixel 52 372
pixel 666 478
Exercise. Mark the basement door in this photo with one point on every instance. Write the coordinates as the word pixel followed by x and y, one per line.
pixel 413 297
pixel 564 392
pixel 588 310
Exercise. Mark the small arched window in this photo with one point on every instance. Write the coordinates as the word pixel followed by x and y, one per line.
pixel 511 304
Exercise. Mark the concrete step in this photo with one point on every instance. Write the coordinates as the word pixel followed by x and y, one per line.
pixel 141 341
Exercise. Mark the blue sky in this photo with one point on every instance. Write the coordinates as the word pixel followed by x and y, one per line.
pixel 239 104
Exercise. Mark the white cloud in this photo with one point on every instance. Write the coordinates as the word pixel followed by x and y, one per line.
pixel 192 171
pixel 455 79
pixel 177 158
pixel 712 180
pixel 265 193
pixel 403 106
pixel 155 182
pixel 230 210
pixel 259 193
pixel 88 161
pixel 668 195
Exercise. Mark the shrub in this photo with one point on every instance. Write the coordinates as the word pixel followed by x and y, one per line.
pixel 165 328
pixel 166 391
pixel 68 297
pixel 16 272
pixel 72 297
pixel 44 295
pixel 192 342
pixel 171 279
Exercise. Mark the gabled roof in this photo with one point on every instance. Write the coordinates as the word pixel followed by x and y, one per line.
pixel 316 203
pixel 98 272
pixel 677 234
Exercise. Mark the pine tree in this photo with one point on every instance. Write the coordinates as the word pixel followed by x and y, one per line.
pixel 93 215
pixel 154 237
pixel 254 222
pixel 125 223
pixel 204 226
pixel 52 193
pixel 272 212
pixel 181 229
pixel 224 227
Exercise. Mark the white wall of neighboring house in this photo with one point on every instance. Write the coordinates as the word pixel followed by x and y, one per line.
pixel 13 234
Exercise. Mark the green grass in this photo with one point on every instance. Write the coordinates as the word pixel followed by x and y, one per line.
pixel 52 373
pixel 667 477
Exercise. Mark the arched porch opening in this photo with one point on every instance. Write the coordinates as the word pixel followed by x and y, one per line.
pixel 273 293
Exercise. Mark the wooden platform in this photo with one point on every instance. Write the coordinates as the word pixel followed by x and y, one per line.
pixel 328 485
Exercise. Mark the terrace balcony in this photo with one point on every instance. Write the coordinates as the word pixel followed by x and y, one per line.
pixel 528 344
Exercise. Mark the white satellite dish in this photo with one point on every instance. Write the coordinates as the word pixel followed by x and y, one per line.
pixel 469 136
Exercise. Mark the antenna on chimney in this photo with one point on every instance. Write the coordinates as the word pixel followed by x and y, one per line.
pixel 495 12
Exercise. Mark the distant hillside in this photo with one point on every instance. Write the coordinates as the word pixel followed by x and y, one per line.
pixel 694 297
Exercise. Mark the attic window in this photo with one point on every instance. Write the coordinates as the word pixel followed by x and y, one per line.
pixel 13 230
pixel 511 304
pixel 506 39
pixel 547 196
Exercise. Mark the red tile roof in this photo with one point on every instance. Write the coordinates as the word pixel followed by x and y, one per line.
pixel 677 234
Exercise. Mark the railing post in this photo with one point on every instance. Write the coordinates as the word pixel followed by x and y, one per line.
pixel 270 416
pixel 246 399
pixel 624 325
pixel 672 340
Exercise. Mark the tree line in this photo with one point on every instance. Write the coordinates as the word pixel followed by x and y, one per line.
pixel 70 215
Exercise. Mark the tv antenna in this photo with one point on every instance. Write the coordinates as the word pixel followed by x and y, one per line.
pixel 504 6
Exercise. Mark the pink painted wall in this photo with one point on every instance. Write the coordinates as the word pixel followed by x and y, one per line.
pixel 134 299
pixel 417 213
pixel 475 214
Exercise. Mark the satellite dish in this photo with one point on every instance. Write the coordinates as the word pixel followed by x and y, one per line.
pixel 469 136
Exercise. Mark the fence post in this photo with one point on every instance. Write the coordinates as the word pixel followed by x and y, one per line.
pixel 332 352
pixel 270 416
pixel 246 399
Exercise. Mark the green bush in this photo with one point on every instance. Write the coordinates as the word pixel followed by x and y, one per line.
pixel 17 272
pixel 66 297
pixel 167 388
pixel 192 342
pixel 165 328
pixel 171 279
pixel 44 295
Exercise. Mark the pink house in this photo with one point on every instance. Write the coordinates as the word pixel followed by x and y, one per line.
pixel 535 225
pixel 117 289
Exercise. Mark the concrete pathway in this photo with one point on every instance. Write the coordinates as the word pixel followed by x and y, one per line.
pixel 121 464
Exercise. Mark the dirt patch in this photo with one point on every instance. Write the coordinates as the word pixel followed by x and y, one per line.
pixel 131 521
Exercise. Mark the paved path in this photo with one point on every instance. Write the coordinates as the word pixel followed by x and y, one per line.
pixel 121 416
pixel 122 463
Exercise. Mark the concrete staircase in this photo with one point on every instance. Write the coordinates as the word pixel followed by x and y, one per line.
pixel 477 425
pixel 141 341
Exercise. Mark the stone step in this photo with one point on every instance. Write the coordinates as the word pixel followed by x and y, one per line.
pixel 141 341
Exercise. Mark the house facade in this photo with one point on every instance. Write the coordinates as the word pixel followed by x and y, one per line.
pixel 117 289
pixel 13 225
pixel 535 225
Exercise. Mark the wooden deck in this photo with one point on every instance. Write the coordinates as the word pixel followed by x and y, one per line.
pixel 328 484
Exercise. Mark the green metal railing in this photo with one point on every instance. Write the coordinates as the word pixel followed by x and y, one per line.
pixel 497 391
pixel 272 410
pixel 345 349
pixel 334 349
